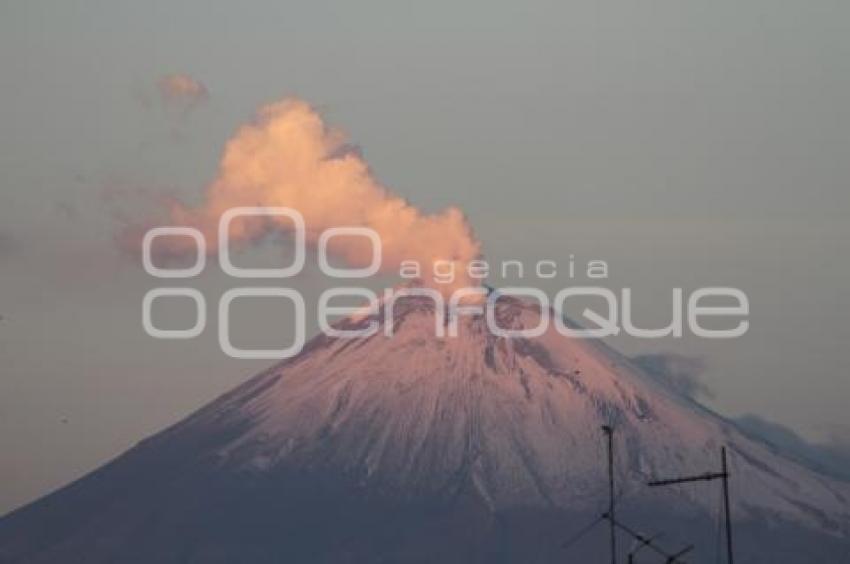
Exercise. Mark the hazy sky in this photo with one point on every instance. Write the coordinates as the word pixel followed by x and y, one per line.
pixel 686 143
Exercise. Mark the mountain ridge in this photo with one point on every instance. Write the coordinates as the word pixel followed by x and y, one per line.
pixel 475 425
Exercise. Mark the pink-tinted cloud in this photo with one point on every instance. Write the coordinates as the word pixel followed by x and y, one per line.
pixel 182 91
pixel 289 157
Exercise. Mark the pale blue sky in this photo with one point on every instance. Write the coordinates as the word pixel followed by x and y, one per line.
pixel 686 143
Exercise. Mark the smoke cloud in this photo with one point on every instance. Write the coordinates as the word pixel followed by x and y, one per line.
pixel 288 157
pixel 831 457
pixel 182 91
pixel 682 374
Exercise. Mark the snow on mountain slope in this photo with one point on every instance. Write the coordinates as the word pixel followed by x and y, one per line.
pixel 520 417
pixel 416 448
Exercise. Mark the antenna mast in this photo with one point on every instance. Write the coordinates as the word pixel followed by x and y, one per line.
pixel 649 542
pixel 609 432
pixel 643 541
pixel 708 476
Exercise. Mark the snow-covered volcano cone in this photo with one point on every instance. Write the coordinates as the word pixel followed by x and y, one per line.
pixel 415 448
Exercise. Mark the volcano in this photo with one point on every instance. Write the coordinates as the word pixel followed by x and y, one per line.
pixel 420 449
